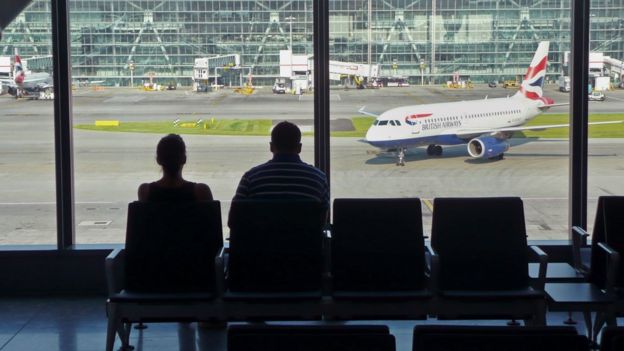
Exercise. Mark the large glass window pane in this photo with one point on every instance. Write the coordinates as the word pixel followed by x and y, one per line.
pixel 27 183
pixel 606 102
pixel 220 73
pixel 444 79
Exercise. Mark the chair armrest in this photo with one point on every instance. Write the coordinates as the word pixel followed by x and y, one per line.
pixel 613 265
pixel 220 269
pixel 579 241
pixel 542 258
pixel 434 270
pixel 114 266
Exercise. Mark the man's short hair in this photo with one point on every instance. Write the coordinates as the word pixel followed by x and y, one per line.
pixel 285 136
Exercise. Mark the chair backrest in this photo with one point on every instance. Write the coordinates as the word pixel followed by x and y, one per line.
pixel 608 228
pixel 310 338
pixel 275 245
pixel 172 247
pixel 496 338
pixel 377 244
pixel 612 339
pixel 481 243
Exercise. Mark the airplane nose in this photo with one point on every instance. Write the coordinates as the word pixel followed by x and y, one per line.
pixel 371 134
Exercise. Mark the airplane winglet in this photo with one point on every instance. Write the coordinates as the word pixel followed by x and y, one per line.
pixel 546 107
pixel 362 111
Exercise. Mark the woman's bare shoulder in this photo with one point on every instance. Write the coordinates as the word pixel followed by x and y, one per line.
pixel 143 191
pixel 202 192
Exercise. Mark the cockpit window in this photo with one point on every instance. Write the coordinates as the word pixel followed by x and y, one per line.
pixel 375 122
pixel 392 123
pixel 383 123
pixel 398 123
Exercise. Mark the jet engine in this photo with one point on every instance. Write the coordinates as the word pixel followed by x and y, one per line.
pixel 487 147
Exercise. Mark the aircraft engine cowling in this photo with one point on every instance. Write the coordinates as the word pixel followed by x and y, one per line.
pixel 487 147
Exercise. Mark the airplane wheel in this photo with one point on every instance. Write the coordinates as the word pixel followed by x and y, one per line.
pixel 437 150
pixel 430 150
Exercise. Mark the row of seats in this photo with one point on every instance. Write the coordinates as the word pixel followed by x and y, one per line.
pixel 425 338
pixel 284 264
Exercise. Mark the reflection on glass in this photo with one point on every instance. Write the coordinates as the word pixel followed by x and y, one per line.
pixel 27 208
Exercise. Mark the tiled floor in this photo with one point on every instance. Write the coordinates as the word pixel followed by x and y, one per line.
pixel 80 325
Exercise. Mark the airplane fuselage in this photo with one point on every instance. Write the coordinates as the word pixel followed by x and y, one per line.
pixel 440 124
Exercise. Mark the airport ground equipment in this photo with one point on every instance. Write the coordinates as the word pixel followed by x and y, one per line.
pixel 167 270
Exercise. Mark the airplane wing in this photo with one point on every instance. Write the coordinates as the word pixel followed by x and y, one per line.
pixel 361 110
pixel 470 132
pixel 546 107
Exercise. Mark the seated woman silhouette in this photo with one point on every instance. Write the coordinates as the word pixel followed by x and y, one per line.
pixel 171 156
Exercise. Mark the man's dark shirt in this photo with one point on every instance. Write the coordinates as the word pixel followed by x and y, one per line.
pixel 284 177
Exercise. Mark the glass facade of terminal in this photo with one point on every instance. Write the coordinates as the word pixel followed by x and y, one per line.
pixel 418 39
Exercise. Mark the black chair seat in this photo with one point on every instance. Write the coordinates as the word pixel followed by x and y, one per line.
pixel 272 296
pixel 140 297
pixel 382 295
pixel 492 295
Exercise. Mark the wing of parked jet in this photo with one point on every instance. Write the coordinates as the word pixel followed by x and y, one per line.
pixel 546 107
pixel 469 132
pixel 362 111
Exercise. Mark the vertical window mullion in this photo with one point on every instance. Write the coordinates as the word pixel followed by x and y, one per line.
pixel 579 113
pixel 63 124
pixel 321 85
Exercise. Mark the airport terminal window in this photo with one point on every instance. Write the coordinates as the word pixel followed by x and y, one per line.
pixel 220 73
pixel 606 74
pixel 433 53
pixel 123 55
pixel 27 176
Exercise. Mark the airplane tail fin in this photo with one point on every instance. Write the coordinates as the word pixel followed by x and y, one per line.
pixel 18 71
pixel 533 84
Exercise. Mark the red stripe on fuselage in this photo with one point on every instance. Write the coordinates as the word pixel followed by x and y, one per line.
pixel 419 115
pixel 533 71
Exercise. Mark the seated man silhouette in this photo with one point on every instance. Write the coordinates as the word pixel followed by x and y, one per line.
pixel 171 156
pixel 285 176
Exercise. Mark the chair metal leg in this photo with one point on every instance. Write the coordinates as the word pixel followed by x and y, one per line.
pixel 112 327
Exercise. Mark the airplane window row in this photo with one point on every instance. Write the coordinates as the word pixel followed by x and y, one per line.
pixel 384 123
pixel 490 114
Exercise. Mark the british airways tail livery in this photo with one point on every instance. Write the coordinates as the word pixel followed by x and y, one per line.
pixel 484 125
pixel 28 84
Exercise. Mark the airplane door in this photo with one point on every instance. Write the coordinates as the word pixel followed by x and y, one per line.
pixel 416 128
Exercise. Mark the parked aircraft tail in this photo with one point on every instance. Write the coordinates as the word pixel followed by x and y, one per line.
pixel 18 71
pixel 533 84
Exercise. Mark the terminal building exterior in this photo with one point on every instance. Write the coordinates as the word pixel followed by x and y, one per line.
pixel 426 41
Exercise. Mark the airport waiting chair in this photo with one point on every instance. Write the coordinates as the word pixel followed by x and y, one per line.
pixel 480 259
pixel 167 270
pixel 496 338
pixel 275 265
pixel 377 257
pixel 612 339
pixel 310 338
pixel 581 251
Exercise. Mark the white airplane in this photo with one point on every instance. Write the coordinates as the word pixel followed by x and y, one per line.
pixel 485 125
pixel 28 84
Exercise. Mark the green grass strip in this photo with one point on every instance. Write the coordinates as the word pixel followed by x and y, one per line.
pixel 209 127
pixel 261 127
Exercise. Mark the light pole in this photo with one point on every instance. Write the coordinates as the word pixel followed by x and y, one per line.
pixel 131 68
pixel 290 20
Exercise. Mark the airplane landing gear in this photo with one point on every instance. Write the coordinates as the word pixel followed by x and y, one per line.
pixel 434 150
pixel 498 157
pixel 401 157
